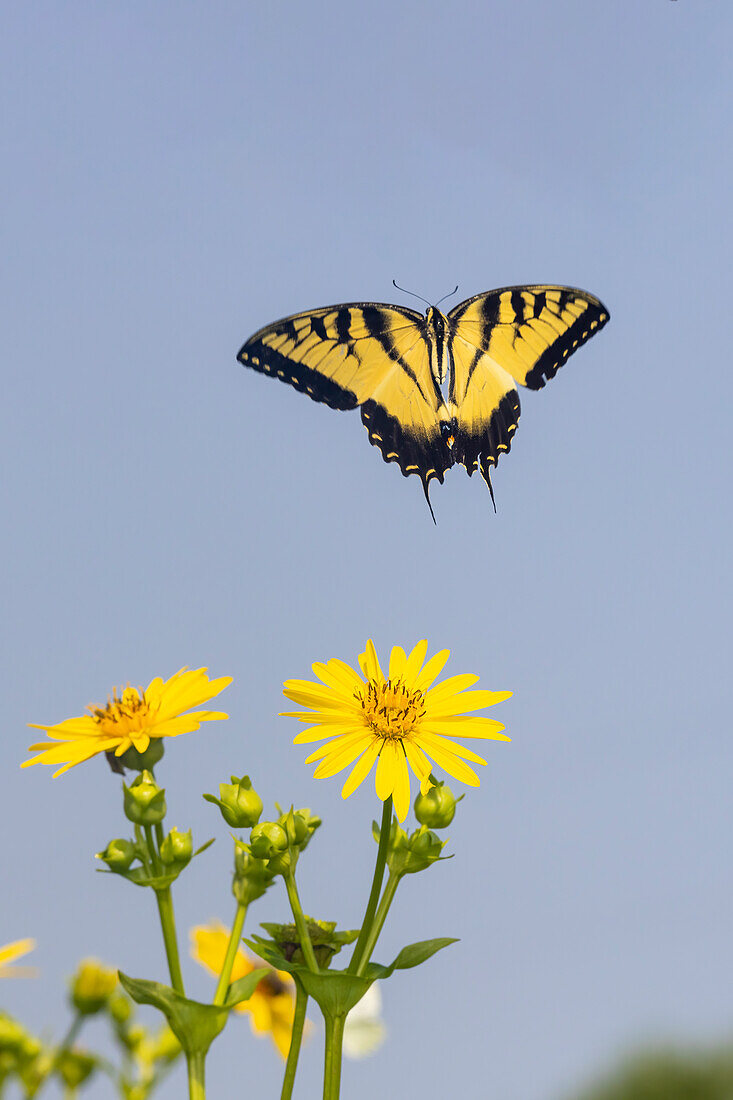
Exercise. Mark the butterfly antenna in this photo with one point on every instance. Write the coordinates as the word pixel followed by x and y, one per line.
pixel 414 295
pixel 426 490
pixel 449 295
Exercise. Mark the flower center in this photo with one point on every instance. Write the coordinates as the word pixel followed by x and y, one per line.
pixel 126 712
pixel 390 710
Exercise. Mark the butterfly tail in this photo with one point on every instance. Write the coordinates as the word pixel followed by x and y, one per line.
pixel 486 475
pixel 426 490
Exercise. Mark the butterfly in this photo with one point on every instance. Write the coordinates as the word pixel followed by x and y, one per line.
pixel 392 361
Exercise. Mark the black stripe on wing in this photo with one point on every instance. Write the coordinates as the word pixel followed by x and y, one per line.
pixel 317 386
pixel 591 321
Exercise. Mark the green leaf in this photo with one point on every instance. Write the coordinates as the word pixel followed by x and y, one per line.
pixel 203 846
pixel 417 953
pixel 243 988
pixel 195 1025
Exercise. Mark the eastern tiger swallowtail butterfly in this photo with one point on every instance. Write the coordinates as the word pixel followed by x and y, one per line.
pixel 391 361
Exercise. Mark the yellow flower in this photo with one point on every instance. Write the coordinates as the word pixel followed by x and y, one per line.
pixel 130 719
pixel 12 951
pixel 398 721
pixel 272 1005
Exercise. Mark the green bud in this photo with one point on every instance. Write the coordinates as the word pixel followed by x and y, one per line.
pixel 268 839
pixel 118 855
pixel 91 987
pixel 12 1035
pixel 119 1008
pixel 437 808
pixel 239 803
pixel 408 854
pixel 177 847
pixel 75 1067
pixel 141 761
pixel 300 826
pixel 144 800
pixel 252 876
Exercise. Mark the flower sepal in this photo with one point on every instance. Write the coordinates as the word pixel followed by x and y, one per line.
pixel 194 1024
pixel 284 941
pixel 137 761
pixel 406 855
pixel 239 803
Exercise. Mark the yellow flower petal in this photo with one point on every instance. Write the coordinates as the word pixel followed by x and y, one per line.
pixel 414 662
pixel 430 740
pixel 384 779
pixel 360 770
pixel 449 687
pixel 450 763
pixel 397 662
pixel 401 786
pixel 469 700
pixel 432 669
pixel 341 759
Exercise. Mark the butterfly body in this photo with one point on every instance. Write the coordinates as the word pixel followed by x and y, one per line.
pixel 392 362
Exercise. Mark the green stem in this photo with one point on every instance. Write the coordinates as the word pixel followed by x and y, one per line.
pixel 153 850
pixel 381 915
pixel 143 850
pixel 301 1002
pixel 232 946
pixel 332 1063
pixel 305 941
pixel 196 1086
pixel 168 926
pixel 66 1044
pixel 359 959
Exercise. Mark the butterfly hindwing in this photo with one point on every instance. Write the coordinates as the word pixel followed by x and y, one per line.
pixel 514 335
pixel 369 355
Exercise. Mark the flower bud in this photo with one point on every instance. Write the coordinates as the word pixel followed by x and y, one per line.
pixel 296 828
pixel 437 808
pixel 118 855
pixel 119 1008
pixel 177 847
pixel 268 839
pixel 407 855
pixel 74 1067
pixel 165 1045
pixel 12 1034
pixel 140 761
pixel 300 826
pixel 92 986
pixel 239 803
pixel 144 800
pixel 252 876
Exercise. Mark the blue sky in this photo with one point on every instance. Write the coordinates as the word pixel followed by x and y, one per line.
pixel 177 176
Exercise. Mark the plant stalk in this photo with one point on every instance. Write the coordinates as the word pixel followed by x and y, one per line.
pixel 359 959
pixel 232 947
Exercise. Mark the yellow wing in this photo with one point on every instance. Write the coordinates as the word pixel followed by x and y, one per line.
pixel 369 355
pixel 520 334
